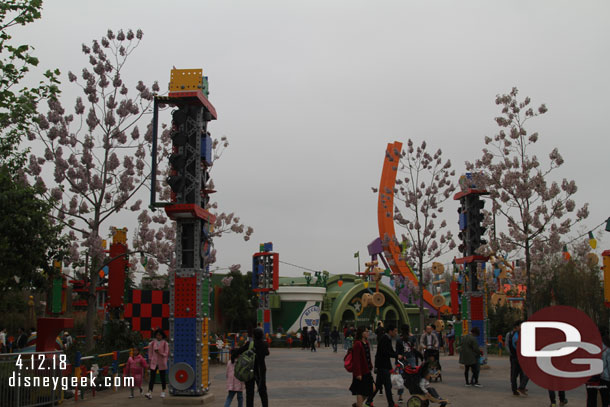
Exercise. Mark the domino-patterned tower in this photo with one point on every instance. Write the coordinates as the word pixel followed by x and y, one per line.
pixel 190 281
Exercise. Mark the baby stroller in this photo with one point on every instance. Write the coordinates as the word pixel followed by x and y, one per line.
pixel 411 377
pixel 431 357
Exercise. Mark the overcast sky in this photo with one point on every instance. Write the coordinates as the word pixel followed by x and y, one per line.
pixel 309 94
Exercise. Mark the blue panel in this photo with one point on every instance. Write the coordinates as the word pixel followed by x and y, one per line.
pixel 185 344
pixel 268 247
pixel 206 149
pixel 481 326
pixel 267 327
pixel 463 221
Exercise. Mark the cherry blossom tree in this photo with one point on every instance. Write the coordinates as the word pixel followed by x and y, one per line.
pixel 97 159
pixel 18 103
pixel 424 188
pixel 537 210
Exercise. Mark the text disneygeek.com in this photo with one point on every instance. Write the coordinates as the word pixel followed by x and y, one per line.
pixel 65 383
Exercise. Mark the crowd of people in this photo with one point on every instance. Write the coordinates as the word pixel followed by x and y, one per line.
pixel 24 339
pixel 394 353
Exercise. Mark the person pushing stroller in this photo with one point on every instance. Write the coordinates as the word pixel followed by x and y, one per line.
pixel 430 346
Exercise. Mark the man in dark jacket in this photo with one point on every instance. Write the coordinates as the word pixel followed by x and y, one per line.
pixel 313 335
pixel 304 338
pixel 260 369
pixel 383 364
pixel 334 338
pixel 470 355
pixel 515 368
pixel 326 336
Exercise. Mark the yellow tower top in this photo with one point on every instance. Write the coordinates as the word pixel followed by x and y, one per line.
pixel 119 235
pixel 186 80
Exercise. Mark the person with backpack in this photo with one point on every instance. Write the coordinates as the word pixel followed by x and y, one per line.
pixel 313 335
pixel 334 339
pixel 234 386
pixel 515 368
pixel 361 367
pixel 470 355
pixel 383 364
pixel 252 369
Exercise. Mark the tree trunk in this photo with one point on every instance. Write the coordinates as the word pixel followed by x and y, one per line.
pixel 92 300
pixel 529 308
pixel 91 309
pixel 421 296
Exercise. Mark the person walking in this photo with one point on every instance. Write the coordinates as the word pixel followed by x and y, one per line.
pixel 469 356
pixel 429 344
pixel 383 364
pixel 22 339
pixel 261 348
pixel 515 368
pixel 313 335
pixel 334 339
pixel 135 367
pixel 451 339
pixel 67 340
pixel 406 346
pixel 439 337
pixel 158 351
pixel 234 386
pixel 562 398
pixel 305 338
pixel 326 335
pixel 362 379
pixel 601 382
pixel 3 340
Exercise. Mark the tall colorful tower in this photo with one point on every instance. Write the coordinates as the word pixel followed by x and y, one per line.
pixel 190 161
pixel 265 278
pixel 117 272
pixel 473 305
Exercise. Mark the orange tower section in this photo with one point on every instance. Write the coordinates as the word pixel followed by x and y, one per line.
pixel 385 218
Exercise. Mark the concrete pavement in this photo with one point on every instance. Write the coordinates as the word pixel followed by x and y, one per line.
pixel 298 378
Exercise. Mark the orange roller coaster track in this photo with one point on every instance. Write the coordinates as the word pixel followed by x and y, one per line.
pixel 385 217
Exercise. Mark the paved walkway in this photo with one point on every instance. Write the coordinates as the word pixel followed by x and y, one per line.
pixel 298 378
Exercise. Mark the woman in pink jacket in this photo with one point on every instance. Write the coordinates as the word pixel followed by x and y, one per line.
pixel 158 350
pixel 135 367
pixel 234 386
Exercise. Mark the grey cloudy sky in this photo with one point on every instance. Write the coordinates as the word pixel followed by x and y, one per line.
pixel 309 94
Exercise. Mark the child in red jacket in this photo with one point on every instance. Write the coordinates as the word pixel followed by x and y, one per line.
pixel 135 367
